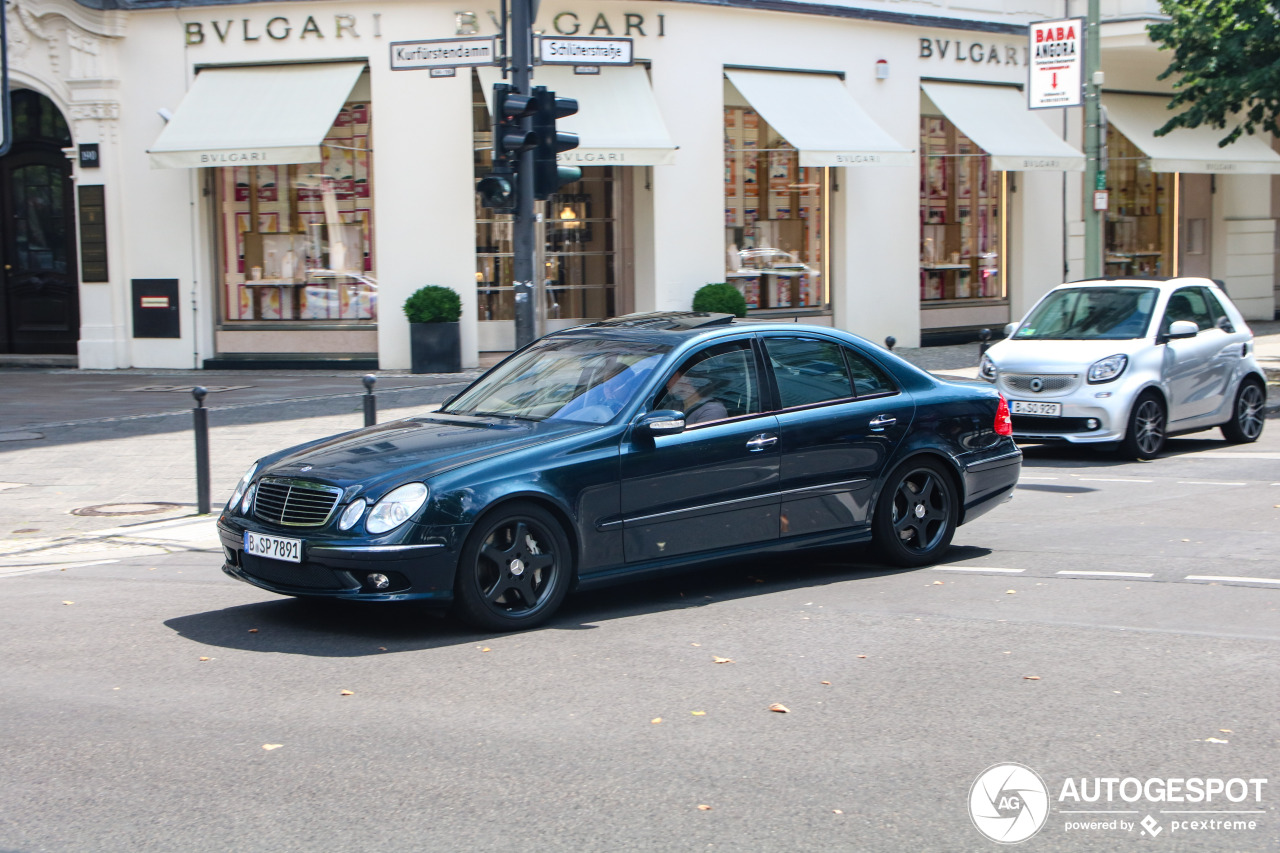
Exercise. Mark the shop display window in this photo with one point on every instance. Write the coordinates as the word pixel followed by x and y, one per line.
pixel 580 247
pixel 1139 231
pixel 773 217
pixel 297 240
pixel 962 225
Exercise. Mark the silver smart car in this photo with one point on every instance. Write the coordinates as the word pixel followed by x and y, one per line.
pixel 1130 361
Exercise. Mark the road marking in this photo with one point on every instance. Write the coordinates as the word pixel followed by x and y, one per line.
pixel 1207 483
pixel 1224 454
pixel 976 569
pixel 1029 477
pixel 1111 574
pixel 13 571
pixel 1231 579
pixel 1112 480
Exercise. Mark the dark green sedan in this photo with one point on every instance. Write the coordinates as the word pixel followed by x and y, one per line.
pixel 621 450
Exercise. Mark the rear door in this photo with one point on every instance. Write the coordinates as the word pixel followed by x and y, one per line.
pixel 841 417
pixel 714 485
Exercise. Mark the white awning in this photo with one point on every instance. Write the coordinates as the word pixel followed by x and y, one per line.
pixel 1194 150
pixel 617 123
pixel 996 118
pixel 816 114
pixel 264 115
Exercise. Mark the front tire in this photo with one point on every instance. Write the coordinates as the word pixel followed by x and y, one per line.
pixel 515 569
pixel 916 514
pixel 1248 415
pixel 1148 420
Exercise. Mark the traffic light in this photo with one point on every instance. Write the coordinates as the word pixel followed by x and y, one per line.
pixel 548 177
pixel 500 189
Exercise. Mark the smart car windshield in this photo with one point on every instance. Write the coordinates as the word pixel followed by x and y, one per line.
pixel 1090 313
pixel 575 379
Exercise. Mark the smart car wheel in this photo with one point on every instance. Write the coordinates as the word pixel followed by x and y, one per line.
pixel 915 517
pixel 1144 437
pixel 1248 416
pixel 514 570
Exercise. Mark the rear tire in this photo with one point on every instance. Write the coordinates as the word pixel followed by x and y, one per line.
pixel 916 514
pixel 1248 414
pixel 1145 434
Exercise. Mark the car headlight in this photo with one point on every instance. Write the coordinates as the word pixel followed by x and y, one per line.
pixel 987 368
pixel 247 503
pixel 241 486
pixel 1104 370
pixel 352 514
pixel 396 508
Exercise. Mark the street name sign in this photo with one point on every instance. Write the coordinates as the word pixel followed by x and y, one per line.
pixel 1055 71
pixel 443 53
pixel 585 51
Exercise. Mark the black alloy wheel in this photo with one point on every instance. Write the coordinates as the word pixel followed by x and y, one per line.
pixel 1248 415
pixel 1144 438
pixel 916 515
pixel 514 570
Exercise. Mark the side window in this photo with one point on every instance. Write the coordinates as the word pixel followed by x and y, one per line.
pixel 808 371
pixel 717 383
pixel 1216 311
pixel 1187 304
pixel 868 378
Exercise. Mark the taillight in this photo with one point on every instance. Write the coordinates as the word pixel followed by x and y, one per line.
pixel 1004 423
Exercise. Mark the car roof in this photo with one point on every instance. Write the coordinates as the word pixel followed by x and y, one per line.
pixel 679 327
pixel 1160 283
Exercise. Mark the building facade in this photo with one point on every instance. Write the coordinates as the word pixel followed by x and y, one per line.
pixel 230 184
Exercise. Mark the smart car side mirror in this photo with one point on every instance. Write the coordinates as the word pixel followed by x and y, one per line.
pixel 1010 329
pixel 1179 329
pixel 661 422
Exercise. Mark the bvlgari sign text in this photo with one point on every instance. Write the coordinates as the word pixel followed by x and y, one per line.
pixel 281 28
pixel 973 52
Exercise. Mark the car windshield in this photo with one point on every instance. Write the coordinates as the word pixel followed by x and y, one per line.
pixel 1090 313
pixel 575 379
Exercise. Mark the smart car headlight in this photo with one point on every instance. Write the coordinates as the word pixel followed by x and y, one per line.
pixel 1104 370
pixel 396 508
pixel 241 486
pixel 352 514
pixel 987 368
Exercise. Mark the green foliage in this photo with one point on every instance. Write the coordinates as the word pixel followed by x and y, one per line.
pixel 1226 64
pixel 720 298
pixel 433 304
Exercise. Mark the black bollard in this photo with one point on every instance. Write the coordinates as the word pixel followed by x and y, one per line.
pixel 370 402
pixel 985 337
pixel 889 342
pixel 201 417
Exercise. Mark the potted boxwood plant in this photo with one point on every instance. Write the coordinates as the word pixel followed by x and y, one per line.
pixel 721 297
pixel 434 334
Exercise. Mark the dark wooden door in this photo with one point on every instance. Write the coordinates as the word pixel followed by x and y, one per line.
pixel 39 288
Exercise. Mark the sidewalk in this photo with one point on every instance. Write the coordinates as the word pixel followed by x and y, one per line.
pixel 99 466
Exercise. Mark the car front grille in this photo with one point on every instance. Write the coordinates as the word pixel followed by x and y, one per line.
pixel 1050 383
pixel 295 503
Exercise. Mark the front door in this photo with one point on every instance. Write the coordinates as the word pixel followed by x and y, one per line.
pixel 39 288
pixel 1197 369
pixel 715 485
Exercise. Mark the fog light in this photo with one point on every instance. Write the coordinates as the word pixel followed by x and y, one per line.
pixel 1092 423
pixel 378 581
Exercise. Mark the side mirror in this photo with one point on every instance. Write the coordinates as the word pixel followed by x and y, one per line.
pixel 1182 329
pixel 1010 329
pixel 661 422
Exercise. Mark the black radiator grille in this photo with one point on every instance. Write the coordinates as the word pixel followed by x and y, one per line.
pixel 294 503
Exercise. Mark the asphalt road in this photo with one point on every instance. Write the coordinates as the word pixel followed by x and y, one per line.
pixel 139 698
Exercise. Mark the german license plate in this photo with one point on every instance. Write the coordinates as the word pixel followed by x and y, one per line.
pixel 1044 410
pixel 273 547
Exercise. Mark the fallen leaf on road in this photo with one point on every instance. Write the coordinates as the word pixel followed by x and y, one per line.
pixel 1186 540
pixel 862 656
pixel 695 644
pixel 486 649
pixel 836 811
pixel 826 682
pixel 382 648
pixel 253 630
pixel 1010 592
pixel 68 602
pixel 656 720
pixel 704 808
pixel 698 713
pixel 722 660
pixel 1214 740
pixel 270 746
pixel 346 693
pixel 1030 678
pixel 1226 731
pixel 937 583
pixel 781 709
pixel 203 658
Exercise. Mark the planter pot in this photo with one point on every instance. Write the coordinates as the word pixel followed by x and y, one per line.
pixel 436 347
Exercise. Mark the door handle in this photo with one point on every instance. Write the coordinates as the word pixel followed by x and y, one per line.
pixel 761 441
pixel 882 421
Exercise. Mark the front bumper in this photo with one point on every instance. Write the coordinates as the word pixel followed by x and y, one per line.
pixel 1087 418
pixel 340 568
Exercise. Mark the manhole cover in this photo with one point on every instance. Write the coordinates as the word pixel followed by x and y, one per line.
pixel 152 508
pixel 212 389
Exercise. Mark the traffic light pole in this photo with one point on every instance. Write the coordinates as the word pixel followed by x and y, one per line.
pixel 525 226
pixel 1094 178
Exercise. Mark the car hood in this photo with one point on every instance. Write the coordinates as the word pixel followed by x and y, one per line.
pixel 1059 356
pixel 412 449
